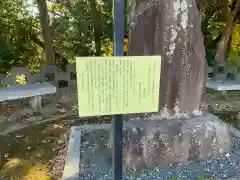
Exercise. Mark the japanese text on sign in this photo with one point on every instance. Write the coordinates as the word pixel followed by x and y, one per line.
pixel 118 85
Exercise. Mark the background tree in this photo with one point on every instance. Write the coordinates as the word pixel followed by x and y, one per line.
pixel 84 28
pixel 218 25
pixel 46 32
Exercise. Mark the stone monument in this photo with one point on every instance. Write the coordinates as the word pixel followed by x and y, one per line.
pixel 172 29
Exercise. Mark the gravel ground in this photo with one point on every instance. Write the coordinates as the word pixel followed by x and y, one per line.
pixel 225 167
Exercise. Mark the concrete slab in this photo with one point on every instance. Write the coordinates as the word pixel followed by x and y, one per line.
pixel 73 166
pixel 172 149
pixel 71 169
pixel 223 85
pixel 26 91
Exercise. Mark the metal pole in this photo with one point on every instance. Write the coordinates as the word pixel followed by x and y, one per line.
pixel 118 27
pixel 117 149
pixel 118 50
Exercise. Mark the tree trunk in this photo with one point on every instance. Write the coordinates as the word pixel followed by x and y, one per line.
pixel 220 57
pixel 230 14
pixel 46 32
pixel 202 6
pixel 228 50
pixel 96 27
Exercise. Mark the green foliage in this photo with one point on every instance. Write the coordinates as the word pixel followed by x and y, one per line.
pixel 234 56
pixel 16 47
pixel 213 26
pixel 72 28
pixel 236 39
pixel 210 54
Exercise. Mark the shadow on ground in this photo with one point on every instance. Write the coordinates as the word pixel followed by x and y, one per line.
pixel 27 154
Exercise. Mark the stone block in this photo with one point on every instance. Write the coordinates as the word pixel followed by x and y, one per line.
pixel 238 77
pixel 209 69
pixel 72 74
pixel 151 142
pixel 37 77
pixel 9 80
pixel 21 71
pixel 49 73
pixel 61 79
pixel 61 76
pixel 2 76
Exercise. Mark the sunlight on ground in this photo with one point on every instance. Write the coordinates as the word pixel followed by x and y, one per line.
pixel 16 168
pixel 37 172
pixel 13 162
pixel 30 153
pixel 32 149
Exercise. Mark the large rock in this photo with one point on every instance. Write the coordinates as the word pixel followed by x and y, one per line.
pixel 151 142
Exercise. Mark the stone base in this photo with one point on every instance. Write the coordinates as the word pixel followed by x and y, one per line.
pixel 156 149
pixel 151 142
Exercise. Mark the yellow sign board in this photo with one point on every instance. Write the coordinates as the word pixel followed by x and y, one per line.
pixel 118 85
